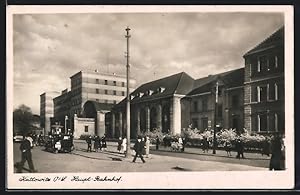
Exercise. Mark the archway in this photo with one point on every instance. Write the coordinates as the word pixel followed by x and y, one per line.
pixel 166 119
pixel 143 120
pixel 153 119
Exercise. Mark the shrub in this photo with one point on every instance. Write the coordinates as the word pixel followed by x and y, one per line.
pixel 84 136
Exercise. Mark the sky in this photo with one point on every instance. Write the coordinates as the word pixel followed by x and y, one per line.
pixel 49 48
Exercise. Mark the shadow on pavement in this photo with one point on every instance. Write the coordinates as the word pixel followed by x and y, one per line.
pixel 206 154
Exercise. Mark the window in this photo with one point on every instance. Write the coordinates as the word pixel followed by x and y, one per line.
pixel 262 63
pixel 105 101
pixel 97 91
pixel 204 122
pixel 273 92
pixel 195 123
pixel 195 106
pixel 115 83
pixel 262 122
pixel 105 91
pixel 105 82
pixel 115 93
pixel 204 104
pixel 123 93
pixel 97 81
pixel 86 128
pixel 123 84
pixel 260 94
pixel 273 63
pixel 115 102
pixel 97 100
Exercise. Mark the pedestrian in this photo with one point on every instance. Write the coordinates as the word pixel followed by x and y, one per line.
pixel 103 143
pixel 25 148
pixel 144 145
pixel 239 148
pixel 89 142
pixel 205 145
pixel 138 148
pixel 147 146
pixel 183 144
pixel 266 148
pixel 124 145
pixel 157 142
pixel 227 147
pixel 97 143
pixel 277 158
pixel 119 144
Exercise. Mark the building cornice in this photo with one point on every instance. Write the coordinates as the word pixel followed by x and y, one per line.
pixel 264 79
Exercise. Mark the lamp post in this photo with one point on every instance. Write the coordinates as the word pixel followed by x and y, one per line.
pixel 127 154
pixel 216 114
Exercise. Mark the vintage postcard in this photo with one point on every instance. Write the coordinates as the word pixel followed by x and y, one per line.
pixel 150 97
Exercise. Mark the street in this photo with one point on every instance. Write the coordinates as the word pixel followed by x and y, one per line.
pixel 159 161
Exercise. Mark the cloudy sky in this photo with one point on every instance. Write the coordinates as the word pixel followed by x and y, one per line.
pixel 49 48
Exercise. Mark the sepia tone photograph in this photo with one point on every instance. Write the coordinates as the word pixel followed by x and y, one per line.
pixel 125 97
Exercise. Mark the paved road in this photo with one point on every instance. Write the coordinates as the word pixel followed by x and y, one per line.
pixel 81 161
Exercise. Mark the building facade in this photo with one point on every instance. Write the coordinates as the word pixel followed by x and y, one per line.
pixel 264 85
pixel 199 106
pixel 250 98
pixel 175 102
pixel 47 110
pixel 102 88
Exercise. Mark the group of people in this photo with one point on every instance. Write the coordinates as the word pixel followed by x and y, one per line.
pixel 99 143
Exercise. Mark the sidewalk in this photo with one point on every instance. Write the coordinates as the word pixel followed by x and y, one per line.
pixel 111 160
pixel 112 147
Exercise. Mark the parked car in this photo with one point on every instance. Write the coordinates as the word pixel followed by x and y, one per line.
pixel 18 138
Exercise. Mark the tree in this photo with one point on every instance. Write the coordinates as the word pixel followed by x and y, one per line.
pixel 22 120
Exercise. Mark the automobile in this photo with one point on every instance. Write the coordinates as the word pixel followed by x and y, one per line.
pixel 18 138
pixel 59 143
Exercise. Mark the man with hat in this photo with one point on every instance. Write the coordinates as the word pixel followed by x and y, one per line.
pixel 138 147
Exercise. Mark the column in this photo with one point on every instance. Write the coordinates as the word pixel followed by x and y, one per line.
pixel 147 109
pixel 138 121
pixel 100 127
pixel 113 127
pixel 159 117
pixel 176 116
pixel 120 124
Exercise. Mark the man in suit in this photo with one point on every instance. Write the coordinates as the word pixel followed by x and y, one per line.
pixel 25 148
pixel 138 147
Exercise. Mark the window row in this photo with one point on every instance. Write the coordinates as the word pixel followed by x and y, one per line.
pixel 265 64
pixel 148 92
pixel 267 92
pixel 266 122
pixel 106 101
pixel 200 107
pixel 110 92
pixel 107 82
pixel 202 125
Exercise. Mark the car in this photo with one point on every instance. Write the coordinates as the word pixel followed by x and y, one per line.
pixel 18 138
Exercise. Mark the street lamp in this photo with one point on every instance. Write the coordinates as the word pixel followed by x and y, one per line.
pixel 127 98
pixel 216 124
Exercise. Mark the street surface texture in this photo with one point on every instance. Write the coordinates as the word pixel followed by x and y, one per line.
pixel 163 160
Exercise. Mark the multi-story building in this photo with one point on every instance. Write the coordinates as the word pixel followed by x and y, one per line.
pixel 199 105
pixel 250 97
pixel 101 88
pixel 264 85
pixel 172 103
pixel 47 110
